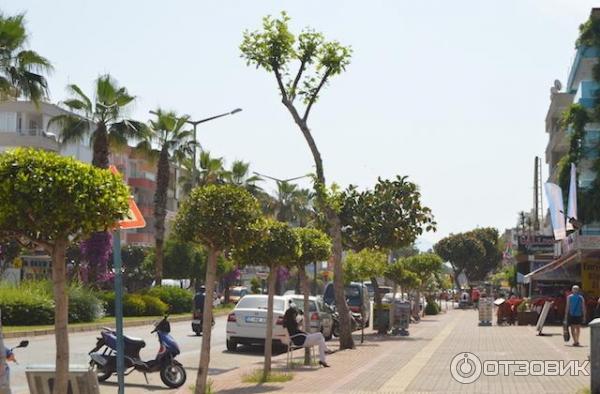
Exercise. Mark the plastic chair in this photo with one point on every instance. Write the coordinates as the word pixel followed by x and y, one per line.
pixel 290 352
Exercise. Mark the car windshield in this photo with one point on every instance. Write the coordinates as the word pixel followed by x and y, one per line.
pixel 259 303
pixel 236 292
pixel 300 304
pixel 353 295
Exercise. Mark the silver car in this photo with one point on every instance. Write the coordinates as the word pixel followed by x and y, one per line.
pixel 320 317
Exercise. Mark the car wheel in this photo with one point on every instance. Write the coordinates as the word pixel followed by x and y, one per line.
pixel 231 345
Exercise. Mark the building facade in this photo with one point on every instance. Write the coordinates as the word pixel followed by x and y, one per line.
pixel 23 124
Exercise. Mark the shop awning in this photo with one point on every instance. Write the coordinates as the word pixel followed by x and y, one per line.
pixel 560 262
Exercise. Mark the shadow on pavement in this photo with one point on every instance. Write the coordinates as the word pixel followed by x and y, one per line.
pixel 148 387
pixel 249 390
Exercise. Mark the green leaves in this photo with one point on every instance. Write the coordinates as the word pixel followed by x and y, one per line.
pixel 364 265
pixel 274 48
pixel 388 217
pixel 475 252
pixel 315 246
pixel 218 216
pixel 276 245
pixel 20 69
pixel 45 197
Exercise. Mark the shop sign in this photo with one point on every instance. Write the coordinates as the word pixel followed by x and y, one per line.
pixel 590 277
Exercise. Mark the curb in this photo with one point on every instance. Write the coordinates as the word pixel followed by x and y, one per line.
pixel 94 327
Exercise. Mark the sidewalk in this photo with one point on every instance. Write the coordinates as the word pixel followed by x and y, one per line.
pixel 421 362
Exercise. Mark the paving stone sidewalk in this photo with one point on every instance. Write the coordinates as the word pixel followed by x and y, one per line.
pixel 420 363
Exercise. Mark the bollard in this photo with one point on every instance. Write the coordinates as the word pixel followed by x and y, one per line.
pixel 595 355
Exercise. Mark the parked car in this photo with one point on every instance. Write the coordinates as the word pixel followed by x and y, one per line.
pixel 247 323
pixel 319 315
pixel 236 293
pixel 357 297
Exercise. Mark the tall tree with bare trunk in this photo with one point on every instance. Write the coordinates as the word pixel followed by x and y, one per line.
pixel 274 49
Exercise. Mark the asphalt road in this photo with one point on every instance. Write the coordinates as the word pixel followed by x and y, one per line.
pixel 41 351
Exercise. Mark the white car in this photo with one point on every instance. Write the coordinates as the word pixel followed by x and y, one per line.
pixel 247 323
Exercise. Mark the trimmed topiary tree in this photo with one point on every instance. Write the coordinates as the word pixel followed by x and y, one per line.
pixel 50 201
pixel 219 217
pixel 278 246
pixel 315 246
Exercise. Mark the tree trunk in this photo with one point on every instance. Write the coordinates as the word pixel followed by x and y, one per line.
pixel 392 309
pixel 269 336
pixel 4 377
pixel 100 147
pixel 298 281
pixel 207 317
pixel 335 231
pixel 226 294
pixel 378 306
pixel 346 341
pixel 160 211
pixel 306 309
pixel 61 315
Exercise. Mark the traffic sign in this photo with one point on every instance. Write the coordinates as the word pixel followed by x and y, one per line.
pixel 134 218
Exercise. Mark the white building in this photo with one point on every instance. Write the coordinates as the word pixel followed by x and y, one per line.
pixel 23 124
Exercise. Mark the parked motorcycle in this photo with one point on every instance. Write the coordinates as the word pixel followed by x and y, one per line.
pixel 355 320
pixel 171 371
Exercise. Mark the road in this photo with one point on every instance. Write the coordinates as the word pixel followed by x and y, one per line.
pixel 41 351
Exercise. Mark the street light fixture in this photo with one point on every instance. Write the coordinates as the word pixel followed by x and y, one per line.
pixel 289 180
pixel 282 180
pixel 195 123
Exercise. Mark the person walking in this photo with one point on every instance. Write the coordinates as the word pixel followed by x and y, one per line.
pixel 301 338
pixel 575 313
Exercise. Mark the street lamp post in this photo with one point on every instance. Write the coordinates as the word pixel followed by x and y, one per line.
pixel 279 181
pixel 195 123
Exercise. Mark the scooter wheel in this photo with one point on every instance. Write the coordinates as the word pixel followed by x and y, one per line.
pixel 173 375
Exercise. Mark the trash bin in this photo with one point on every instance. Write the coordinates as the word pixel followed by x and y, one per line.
pixel 384 314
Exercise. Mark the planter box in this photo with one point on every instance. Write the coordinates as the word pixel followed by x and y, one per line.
pixel 527 318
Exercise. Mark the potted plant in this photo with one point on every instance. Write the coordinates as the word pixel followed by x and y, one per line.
pixel 525 316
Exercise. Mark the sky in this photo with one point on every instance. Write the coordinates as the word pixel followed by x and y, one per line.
pixel 452 94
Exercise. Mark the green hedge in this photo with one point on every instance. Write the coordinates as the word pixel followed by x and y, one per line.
pixel 135 304
pixel 32 303
pixel 154 306
pixel 178 300
pixel 24 308
pixel 432 308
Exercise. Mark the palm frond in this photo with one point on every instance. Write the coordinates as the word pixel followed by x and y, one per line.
pixel 76 91
pixel 72 128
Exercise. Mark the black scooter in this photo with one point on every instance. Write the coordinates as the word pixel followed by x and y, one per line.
pixel 355 321
pixel 171 371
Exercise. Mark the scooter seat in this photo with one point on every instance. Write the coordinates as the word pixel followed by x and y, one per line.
pixel 134 341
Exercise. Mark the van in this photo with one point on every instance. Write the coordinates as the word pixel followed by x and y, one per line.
pixel 357 297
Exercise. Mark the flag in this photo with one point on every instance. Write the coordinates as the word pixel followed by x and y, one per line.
pixel 555 205
pixel 572 204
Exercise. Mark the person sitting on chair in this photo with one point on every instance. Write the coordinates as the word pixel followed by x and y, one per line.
pixel 301 338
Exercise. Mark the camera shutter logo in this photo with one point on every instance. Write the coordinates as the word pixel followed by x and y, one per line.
pixel 465 368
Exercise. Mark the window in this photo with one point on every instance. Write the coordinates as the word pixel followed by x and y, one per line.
pixel 259 303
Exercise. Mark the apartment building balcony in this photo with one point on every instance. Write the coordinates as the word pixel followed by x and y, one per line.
pixel 585 59
pixel 33 138
pixel 142 183
pixel 143 239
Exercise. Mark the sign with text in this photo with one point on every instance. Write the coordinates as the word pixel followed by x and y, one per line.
pixel 590 277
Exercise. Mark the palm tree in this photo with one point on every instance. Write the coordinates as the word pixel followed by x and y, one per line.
pixel 106 115
pixel 212 169
pixel 240 175
pixel 294 205
pixel 173 143
pixel 104 119
pixel 20 69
